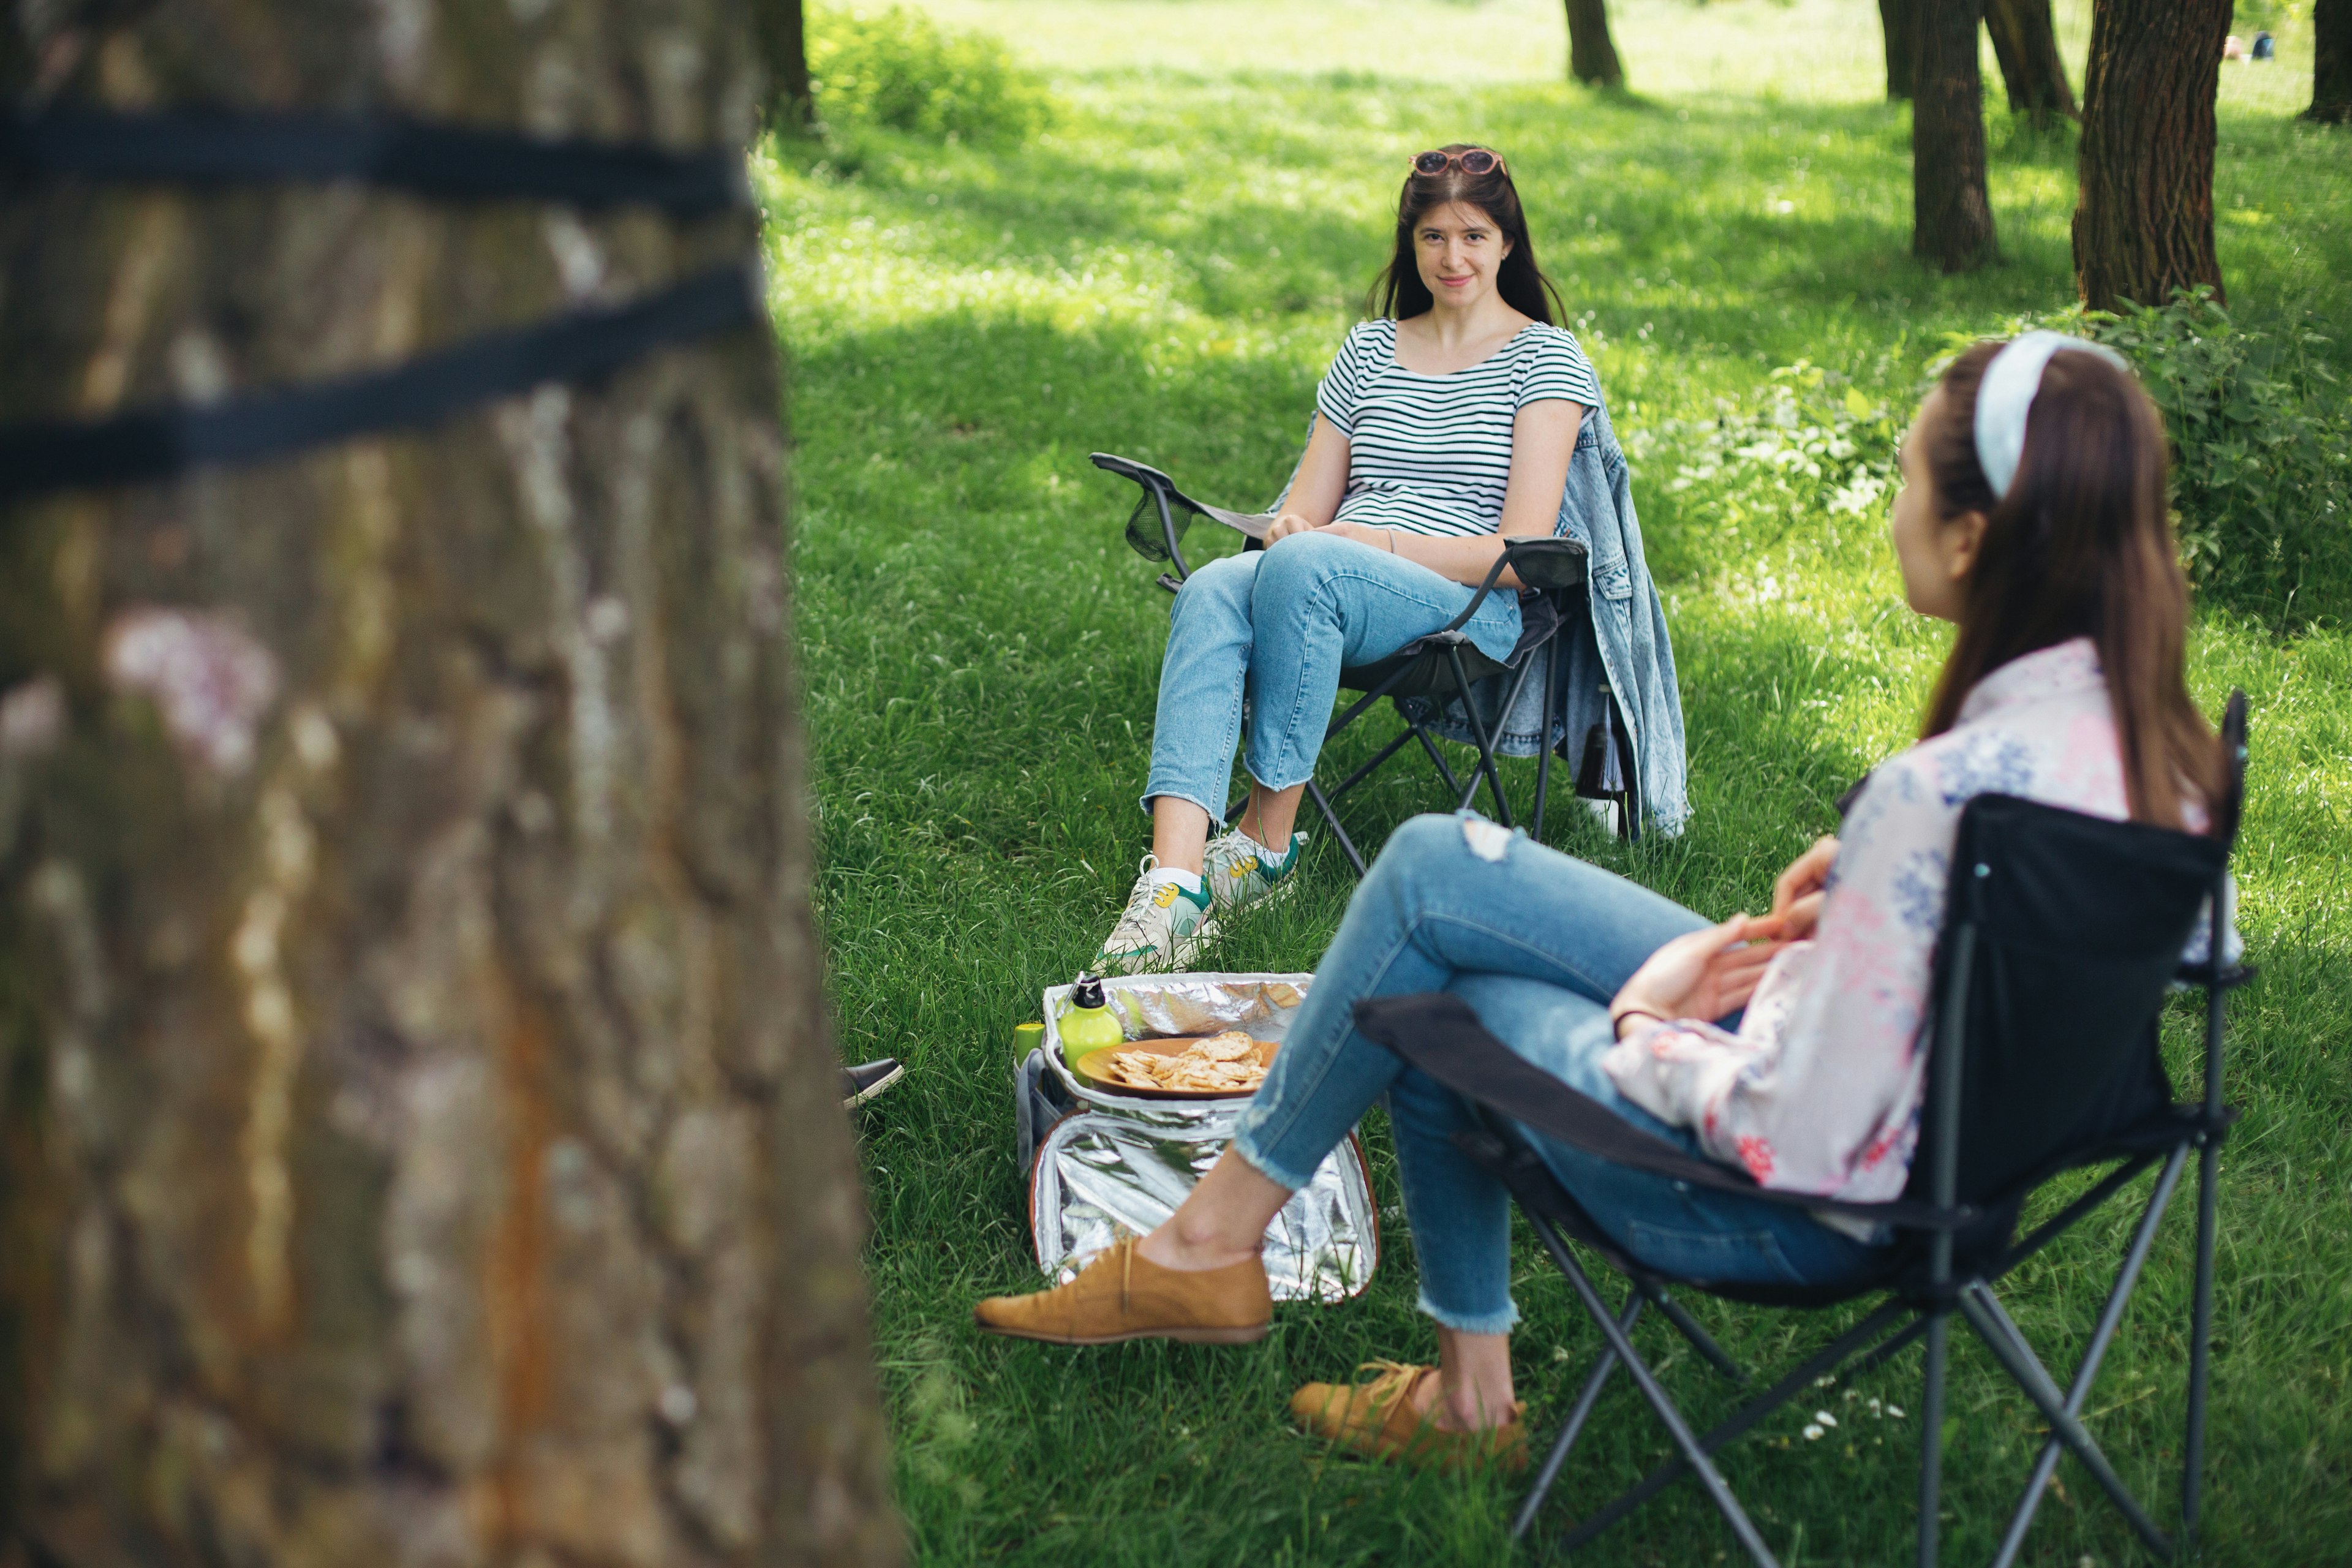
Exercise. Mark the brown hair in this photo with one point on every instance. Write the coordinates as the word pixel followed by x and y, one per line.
pixel 1399 292
pixel 2082 546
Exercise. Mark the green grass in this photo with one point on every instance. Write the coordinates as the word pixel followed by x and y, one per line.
pixel 1165 274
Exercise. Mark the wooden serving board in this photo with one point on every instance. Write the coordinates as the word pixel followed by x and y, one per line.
pixel 1171 1045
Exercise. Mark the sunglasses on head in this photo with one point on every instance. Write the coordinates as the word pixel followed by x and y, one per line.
pixel 1473 161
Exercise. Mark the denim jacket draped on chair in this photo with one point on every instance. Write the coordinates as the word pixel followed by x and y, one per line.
pixel 1624 649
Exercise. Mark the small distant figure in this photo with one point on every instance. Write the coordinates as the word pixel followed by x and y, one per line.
pixel 2265 47
pixel 2232 48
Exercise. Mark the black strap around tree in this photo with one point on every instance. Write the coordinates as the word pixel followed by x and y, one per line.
pixel 578 345
pixel 448 162
pixel 1438 1032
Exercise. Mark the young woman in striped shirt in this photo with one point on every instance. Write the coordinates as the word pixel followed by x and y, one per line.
pixel 1443 424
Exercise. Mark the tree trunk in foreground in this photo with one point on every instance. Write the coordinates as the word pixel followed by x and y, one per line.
pixel 1951 216
pixel 2144 223
pixel 1898 22
pixel 418 1135
pixel 781 30
pixel 2025 42
pixel 2331 61
pixel 1592 58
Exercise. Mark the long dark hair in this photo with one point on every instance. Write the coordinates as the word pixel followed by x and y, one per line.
pixel 2082 546
pixel 1399 292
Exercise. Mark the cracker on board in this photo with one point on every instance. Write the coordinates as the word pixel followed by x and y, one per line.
pixel 1221 1064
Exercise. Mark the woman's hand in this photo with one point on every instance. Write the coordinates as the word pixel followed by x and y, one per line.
pixel 1290 523
pixel 1703 973
pixel 1797 893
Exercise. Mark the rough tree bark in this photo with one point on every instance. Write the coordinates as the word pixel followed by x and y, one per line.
pixel 2025 43
pixel 2144 221
pixel 1592 58
pixel 2331 62
pixel 781 28
pixel 1951 216
pixel 1899 22
pixel 418 1138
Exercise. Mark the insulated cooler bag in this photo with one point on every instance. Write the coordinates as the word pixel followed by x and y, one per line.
pixel 1101 1162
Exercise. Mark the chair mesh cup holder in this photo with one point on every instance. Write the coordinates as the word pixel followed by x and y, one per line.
pixel 2062 934
pixel 1445 666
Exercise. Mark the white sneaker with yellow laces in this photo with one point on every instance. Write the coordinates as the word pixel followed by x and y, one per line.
pixel 1240 871
pixel 1163 927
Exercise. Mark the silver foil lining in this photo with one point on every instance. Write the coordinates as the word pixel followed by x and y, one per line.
pixel 1123 1164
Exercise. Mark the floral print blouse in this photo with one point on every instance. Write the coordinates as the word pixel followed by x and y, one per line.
pixel 1819 1090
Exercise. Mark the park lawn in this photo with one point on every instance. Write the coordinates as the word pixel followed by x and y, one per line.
pixel 1164 273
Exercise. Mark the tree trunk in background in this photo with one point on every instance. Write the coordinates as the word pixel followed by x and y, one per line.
pixel 2331 61
pixel 419 1141
pixel 1951 216
pixel 1899 22
pixel 779 26
pixel 2143 223
pixel 1592 58
pixel 2025 42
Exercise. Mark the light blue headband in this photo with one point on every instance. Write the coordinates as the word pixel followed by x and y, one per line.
pixel 2005 397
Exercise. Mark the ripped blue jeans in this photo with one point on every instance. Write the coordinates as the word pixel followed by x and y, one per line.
pixel 1536 943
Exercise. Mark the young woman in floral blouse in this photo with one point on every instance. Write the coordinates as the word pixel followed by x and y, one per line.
pixel 2033 515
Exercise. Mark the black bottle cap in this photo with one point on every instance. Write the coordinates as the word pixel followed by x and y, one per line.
pixel 1087 991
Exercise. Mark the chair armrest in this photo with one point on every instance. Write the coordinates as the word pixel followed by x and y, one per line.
pixel 1143 474
pixel 1548 564
pixel 1494 573
pixel 1438 1032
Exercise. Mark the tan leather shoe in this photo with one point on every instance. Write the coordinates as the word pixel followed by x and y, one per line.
pixel 1123 1295
pixel 1378 1420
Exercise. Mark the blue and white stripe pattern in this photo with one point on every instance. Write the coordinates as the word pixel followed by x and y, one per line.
pixel 1432 454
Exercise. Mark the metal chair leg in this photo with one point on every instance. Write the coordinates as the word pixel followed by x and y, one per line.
pixel 1347 845
pixel 1668 1416
pixel 2208 1158
pixel 1931 1438
pixel 1821 1364
pixel 1700 1339
pixel 2045 1464
pixel 1984 1314
pixel 1574 1425
pixel 1543 735
pixel 1486 744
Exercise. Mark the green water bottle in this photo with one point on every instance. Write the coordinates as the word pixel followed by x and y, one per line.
pixel 1089 1024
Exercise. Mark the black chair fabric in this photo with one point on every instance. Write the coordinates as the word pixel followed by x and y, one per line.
pixel 2080 925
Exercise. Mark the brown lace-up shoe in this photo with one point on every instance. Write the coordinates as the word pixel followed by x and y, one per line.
pixel 1378 1420
pixel 1123 1295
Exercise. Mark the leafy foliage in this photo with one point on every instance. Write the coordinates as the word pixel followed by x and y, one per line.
pixel 1811 443
pixel 896 68
pixel 2262 473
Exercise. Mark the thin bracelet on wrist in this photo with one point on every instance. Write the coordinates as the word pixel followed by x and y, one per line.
pixel 1617 1016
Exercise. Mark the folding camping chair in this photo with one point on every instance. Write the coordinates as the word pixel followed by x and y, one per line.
pixel 2061 933
pixel 1445 664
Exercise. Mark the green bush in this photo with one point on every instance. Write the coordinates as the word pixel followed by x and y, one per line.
pixel 898 68
pixel 1811 443
pixel 2262 473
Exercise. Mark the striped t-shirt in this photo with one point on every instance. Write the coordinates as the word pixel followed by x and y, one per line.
pixel 1432 454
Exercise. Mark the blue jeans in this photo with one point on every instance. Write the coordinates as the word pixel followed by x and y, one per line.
pixel 1536 943
pixel 1278 625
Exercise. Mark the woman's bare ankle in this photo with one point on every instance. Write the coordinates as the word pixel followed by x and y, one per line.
pixel 1169 1249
